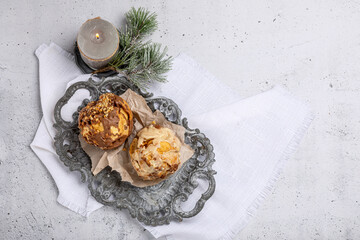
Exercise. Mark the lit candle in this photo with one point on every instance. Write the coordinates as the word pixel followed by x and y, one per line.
pixel 98 42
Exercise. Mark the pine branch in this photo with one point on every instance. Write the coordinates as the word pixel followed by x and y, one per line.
pixel 142 62
pixel 151 66
pixel 140 23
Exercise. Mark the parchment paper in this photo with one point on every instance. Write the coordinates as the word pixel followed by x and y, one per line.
pixel 119 159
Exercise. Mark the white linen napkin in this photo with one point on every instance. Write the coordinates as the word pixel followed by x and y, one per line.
pixel 252 138
pixel 56 69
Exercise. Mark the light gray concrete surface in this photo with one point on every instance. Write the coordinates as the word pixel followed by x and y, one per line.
pixel 311 47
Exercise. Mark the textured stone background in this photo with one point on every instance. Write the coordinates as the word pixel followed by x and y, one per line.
pixel 311 47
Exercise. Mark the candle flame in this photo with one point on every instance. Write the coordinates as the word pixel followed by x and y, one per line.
pixel 97 36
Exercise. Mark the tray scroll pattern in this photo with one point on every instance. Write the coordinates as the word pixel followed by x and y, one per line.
pixel 154 205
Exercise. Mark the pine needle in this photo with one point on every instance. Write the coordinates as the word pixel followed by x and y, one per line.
pixel 140 23
pixel 142 62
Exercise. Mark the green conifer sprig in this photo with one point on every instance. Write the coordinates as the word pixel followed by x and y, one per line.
pixel 141 61
pixel 140 22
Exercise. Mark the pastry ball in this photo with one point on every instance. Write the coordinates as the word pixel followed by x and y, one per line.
pixel 155 152
pixel 106 123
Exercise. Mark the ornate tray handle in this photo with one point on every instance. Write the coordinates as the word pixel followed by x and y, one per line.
pixel 154 205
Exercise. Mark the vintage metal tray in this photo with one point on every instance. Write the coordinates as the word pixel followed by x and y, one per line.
pixel 154 205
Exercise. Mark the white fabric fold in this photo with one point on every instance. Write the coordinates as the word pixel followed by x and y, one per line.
pixel 56 69
pixel 252 138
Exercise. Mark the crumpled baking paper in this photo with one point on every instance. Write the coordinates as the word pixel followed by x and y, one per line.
pixel 119 159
